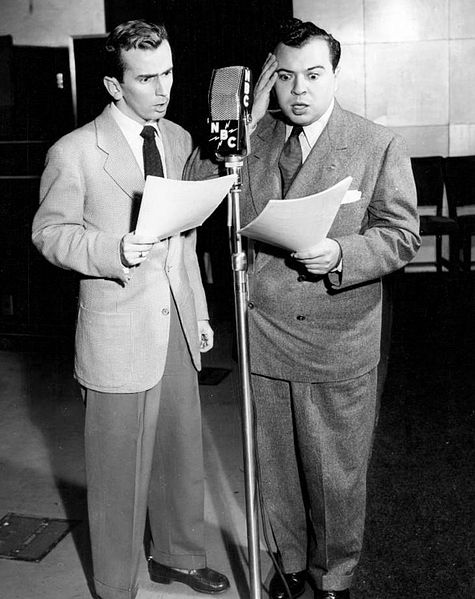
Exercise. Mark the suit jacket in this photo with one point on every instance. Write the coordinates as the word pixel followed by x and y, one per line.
pixel 307 328
pixel 89 193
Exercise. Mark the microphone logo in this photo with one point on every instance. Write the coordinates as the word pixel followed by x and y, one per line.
pixel 226 135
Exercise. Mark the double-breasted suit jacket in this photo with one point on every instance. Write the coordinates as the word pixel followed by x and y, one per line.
pixel 90 191
pixel 306 328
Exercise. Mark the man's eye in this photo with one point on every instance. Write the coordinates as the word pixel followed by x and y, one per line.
pixel 313 76
pixel 284 76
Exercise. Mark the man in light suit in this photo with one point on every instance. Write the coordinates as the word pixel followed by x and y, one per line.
pixel 141 326
pixel 315 315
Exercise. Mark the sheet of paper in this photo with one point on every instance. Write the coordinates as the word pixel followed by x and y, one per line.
pixel 300 223
pixel 169 206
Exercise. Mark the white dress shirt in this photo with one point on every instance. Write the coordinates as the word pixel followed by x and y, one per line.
pixel 308 138
pixel 131 130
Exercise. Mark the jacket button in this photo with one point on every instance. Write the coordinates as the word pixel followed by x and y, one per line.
pixel 250 305
pixel 301 278
pixel 165 311
pixel 300 317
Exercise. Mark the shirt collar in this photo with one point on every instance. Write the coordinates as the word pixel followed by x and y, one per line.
pixel 312 132
pixel 128 125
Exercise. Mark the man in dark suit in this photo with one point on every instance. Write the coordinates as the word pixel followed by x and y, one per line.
pixel 141 326
pixel 315 315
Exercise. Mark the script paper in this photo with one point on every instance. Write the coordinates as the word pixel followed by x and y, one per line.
pixel 300 223
pixel 169 206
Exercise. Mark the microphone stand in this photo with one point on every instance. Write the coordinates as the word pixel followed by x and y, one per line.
pixel 239 265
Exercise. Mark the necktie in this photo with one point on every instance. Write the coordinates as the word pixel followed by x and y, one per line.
pixel 290 159
pixel 151 156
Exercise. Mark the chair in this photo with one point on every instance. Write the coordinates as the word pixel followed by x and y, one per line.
pixel 459 173
pixel 429 178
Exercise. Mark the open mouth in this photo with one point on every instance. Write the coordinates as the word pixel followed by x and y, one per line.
pixel 298 108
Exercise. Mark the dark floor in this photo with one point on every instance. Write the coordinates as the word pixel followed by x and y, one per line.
pixel 420 525
pixel 419 540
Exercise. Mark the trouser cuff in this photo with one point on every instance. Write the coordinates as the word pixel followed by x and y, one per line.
pixel 185 562
pixel 331 582
pixel 106 592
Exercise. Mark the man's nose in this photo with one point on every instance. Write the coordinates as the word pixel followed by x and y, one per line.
pixel 299 86
pixel 159 88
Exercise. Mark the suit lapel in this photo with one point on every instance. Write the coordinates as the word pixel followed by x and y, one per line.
pixel 167 140
pixel 264 177
pixel 119 163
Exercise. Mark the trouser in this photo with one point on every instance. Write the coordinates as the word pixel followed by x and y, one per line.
pixel 144 450
pixel 314 443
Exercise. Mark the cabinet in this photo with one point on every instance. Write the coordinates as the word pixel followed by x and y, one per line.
pixel 37 300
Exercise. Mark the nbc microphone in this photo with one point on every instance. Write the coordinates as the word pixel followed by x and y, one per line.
pixel 229 105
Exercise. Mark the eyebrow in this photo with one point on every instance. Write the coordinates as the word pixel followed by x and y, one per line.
pixel 318 66
pixel 155 74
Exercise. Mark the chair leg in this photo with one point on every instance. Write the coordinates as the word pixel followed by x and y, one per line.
pixel 438 253
pixel 454 253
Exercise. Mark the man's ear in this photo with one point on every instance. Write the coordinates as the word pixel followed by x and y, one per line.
pixel 113 87
pixel 337 76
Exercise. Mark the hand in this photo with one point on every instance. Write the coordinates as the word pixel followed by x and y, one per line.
pixel 206 336
pixel 321 258
pixel 134 248
pixel 263 88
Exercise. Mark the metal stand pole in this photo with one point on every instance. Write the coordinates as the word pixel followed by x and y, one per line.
pixel 239 266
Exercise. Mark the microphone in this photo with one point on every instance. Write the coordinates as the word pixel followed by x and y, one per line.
pixel 230 111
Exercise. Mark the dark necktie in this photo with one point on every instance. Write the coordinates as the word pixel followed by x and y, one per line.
pixel 151 156
pixel 290 159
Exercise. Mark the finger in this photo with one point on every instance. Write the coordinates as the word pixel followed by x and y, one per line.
pixel 270 60
pixel 268 71
pixel 134 247
pixel 135 256
pixel 313 260
pixel 270 83
pixel 140 239
pixel 311 253
pixel 266 75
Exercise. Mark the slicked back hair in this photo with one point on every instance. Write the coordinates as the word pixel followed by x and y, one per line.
pixel 296 33
pixel 126 36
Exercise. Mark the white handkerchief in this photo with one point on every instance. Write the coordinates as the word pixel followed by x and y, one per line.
pixel 351 196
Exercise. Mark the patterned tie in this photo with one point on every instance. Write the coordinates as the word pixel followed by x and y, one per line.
pixel 290 159
pixel 151 156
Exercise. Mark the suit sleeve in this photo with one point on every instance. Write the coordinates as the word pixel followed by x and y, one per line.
pixel 59 230
pixel 389 238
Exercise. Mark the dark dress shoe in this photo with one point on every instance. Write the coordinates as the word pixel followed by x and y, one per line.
pixel 332 594
pixel 295 581
pixel 203 580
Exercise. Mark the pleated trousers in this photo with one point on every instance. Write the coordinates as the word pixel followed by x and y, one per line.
pixel 314 442
pixel 144 455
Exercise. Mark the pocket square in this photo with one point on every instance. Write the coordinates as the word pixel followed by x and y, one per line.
pixel 351 196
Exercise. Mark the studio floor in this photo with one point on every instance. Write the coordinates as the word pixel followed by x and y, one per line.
pixel 419 540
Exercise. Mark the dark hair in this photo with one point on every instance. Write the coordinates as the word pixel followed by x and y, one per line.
pixel 296 33
pixel 131 34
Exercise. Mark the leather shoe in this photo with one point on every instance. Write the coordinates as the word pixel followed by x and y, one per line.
pixel 332 594
pixel 295 581
pixel 203 580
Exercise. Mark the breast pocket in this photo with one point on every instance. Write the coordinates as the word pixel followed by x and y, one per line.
pixel 104 348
